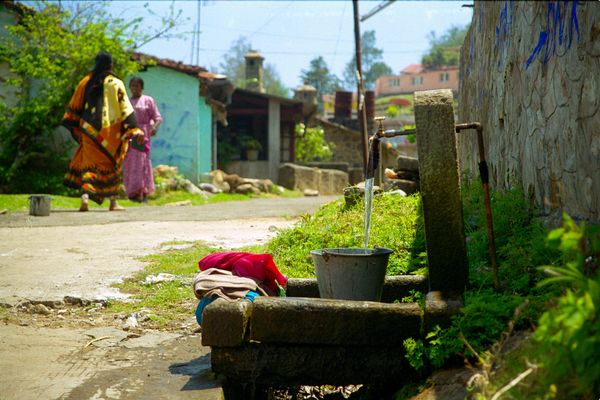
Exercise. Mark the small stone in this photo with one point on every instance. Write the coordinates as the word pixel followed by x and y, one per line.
pixel 40 309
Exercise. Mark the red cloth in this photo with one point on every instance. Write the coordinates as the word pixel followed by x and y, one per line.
pixel 257 266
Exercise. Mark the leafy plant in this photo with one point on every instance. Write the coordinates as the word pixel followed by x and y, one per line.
pixel 311 144
pixel 249 143
pixel 48 51
pixel 569 333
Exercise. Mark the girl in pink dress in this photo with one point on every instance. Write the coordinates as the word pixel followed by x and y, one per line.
pixel 137 168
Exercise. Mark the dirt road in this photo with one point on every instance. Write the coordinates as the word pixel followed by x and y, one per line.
pixel 44 259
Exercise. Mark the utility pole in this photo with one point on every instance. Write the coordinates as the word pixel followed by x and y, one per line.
pixel 361 110
pixel 198 34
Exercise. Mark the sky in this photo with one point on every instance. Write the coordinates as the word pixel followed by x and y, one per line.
pixel 289 34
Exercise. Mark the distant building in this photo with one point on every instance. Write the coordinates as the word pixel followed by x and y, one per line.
pixel 191 101
pixel 415 78
pixel 265 118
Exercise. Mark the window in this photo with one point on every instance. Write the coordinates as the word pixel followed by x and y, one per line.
pixel 395 82
pixel 417 80
pixel 444 77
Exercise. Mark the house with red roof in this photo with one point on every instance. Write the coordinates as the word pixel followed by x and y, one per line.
pixel 416 78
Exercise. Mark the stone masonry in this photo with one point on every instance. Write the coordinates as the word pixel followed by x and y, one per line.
pixel 530 76
pixel 440 192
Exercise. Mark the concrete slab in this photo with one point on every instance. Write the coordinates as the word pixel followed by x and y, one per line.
pixel 332 322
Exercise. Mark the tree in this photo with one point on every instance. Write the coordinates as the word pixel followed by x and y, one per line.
pixel 234 66
pixel 372 65
pixel 319 76
pixel 48 51
pixel 445 50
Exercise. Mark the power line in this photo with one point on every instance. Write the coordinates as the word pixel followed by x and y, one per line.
pixel 271 19
pixel 300 53
pixel 339 34
pixel 311 38
pixel 374 11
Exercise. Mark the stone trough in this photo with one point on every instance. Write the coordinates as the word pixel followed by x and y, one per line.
pixel 305 340
pixel 302 339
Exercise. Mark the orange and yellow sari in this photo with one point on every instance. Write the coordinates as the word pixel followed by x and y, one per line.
pixel 101 119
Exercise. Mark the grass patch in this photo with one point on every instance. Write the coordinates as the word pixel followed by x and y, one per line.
pixel 168 302
pixel 333 225
pixel 20 202
pixel 396 224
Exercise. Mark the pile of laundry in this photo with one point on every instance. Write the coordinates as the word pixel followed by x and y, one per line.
pixel 236 275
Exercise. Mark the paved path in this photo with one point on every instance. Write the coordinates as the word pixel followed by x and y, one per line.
pixel 82 254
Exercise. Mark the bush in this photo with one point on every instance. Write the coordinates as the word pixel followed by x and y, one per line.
pixel 311 144
pixel 569 333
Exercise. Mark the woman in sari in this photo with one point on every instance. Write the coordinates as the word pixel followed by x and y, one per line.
pixel 101 120
pixel 137 169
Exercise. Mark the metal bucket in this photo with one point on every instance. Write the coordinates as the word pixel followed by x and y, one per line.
pixel 351 273
pixel 39 205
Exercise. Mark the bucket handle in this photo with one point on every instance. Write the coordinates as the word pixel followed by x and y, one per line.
pixel 325 255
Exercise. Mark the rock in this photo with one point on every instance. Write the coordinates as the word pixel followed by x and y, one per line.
pixel 193 189
pixel 76 301
pixel 162 277
pixel 398 192
pixel 310 192
pixel 40 309
pixel 355 194
pixel 406 163
pixel 180 203
pixel 247 188
pixel 218 179
pixel 390 174
pixel 165 171
pixel 131 322
pixel 409 187
pixel 209 187
pixel 233 180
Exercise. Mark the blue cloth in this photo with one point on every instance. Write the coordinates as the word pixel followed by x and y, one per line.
pixel 251 295
pixel 201 305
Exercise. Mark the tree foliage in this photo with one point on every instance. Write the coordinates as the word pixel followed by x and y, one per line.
pixel 234 66
pixel 48 51
pixel 319 76
pixel 372 65
pixel 444 50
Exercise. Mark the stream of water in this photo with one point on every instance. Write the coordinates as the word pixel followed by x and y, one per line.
pixel 368 209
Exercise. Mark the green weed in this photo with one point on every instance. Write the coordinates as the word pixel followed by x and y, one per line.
pixel 166 301
pixel 396 224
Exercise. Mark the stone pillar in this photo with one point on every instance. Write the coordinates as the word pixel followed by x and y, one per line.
pixel 440 192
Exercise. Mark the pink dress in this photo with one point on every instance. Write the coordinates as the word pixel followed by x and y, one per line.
pixel 137 167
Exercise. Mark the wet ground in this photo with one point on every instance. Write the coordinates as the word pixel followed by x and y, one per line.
pixel 50 349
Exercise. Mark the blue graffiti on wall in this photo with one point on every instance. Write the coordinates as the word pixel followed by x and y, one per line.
pixel 557 27
pixel 170 143
pixel 503 29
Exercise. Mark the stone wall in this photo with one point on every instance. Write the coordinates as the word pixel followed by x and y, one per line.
pixel 530 73
pixel 324 181
pixel 348 148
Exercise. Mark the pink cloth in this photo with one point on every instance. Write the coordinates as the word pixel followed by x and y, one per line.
pixel 137 167
pixel 248 265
